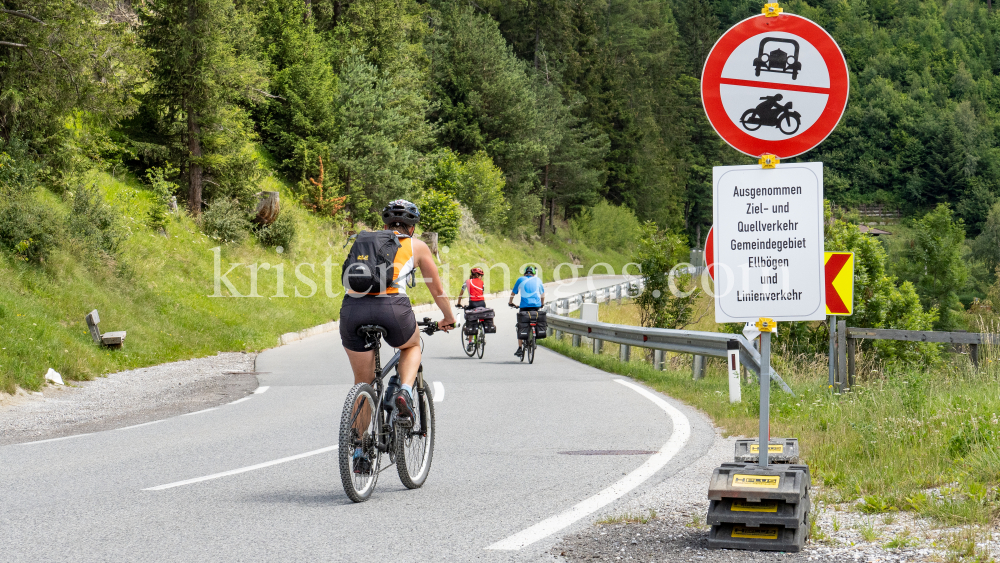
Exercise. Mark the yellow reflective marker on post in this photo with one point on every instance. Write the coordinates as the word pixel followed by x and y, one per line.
pixel 839 273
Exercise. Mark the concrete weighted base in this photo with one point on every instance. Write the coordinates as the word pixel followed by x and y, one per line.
pixel 779 450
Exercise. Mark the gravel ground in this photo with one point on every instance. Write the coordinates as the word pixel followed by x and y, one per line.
pixel 126 398
pixel 674 529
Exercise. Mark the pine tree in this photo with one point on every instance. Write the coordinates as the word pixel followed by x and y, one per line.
pixel 204 67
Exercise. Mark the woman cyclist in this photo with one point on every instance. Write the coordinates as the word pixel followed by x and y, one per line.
pixel 475 287
pixel 391 310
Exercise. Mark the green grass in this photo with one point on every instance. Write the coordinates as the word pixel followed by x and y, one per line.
pixel 160 289
pixel 885 444
pixel 628 518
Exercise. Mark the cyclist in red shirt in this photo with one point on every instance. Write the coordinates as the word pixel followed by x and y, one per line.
pixel 474 285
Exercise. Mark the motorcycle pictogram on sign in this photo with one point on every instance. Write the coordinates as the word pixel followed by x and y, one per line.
pixel 770 113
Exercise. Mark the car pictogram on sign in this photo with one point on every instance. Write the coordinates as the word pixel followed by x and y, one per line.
pixel 778 60
pixel 775 85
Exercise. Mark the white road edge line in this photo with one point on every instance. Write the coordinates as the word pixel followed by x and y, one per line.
pixel 54 439
pixel 549 526
pixel 260 390
pixel 240 470
pixel 199 412
pixel 143 424
pixel 240 400
pixel 438 391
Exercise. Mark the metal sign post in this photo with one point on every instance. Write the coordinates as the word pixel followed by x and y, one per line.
pixel 832 321
pixel 766 326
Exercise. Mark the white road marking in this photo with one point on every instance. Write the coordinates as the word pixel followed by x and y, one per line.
pixel 240 470
pixel 143 424
pixel 240 400
pixel 549 526
pixel 199 412
pixel 438 391
pixel 55 439
pixel 260 390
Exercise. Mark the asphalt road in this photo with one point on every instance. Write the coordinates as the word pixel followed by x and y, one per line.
pixel 219 485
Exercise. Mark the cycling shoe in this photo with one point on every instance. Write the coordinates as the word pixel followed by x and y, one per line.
pixel 404 406
pixel 520 352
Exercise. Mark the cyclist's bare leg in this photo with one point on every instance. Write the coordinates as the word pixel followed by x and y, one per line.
pixel 363 365
pixel 409 359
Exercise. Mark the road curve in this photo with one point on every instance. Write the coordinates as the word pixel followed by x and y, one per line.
pixel 257 479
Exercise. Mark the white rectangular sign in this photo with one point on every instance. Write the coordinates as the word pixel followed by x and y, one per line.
pixel 769 242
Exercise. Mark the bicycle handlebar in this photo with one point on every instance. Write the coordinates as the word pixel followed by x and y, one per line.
pixel 430 327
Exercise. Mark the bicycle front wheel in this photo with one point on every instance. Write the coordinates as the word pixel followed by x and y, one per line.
pixel 415 444
pixel 358 434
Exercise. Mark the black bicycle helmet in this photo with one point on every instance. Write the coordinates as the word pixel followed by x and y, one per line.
pixel 401 211
pixel 530 271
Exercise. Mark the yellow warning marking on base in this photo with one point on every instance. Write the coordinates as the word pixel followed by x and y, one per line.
pixel 755 533
pixel 771 449
pixel 743 506
pixel 756 481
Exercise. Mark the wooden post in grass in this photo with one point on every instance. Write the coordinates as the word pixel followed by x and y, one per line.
pixel 267 208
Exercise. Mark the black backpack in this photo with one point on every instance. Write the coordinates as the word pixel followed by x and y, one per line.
pixel 369 265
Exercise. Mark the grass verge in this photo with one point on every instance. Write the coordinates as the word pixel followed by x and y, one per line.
pixel 925 442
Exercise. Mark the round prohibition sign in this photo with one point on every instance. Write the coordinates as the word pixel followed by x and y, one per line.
pixel 775 85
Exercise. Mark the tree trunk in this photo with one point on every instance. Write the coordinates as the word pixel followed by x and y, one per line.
pixel 541 220
pixel 267 208
pixel 195 154
pixel 347 192
pixel 336 13
pixel 537 36
pixel 552 210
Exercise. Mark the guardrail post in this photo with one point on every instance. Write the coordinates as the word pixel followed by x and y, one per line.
pixel 658 360
pixel 974 355
pixel 842 354
pixel 598 345
pixel 851 370
pixel 698 367
pixel 625 353
pixel 576 340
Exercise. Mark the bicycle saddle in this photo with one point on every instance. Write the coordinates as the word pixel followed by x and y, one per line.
pixel 371 331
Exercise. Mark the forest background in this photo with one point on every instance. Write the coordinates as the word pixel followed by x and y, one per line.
pixel 539 121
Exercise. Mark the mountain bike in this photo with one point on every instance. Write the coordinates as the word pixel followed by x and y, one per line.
pixel 369 422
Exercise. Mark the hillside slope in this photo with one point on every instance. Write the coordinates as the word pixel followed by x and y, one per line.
pixel 160 289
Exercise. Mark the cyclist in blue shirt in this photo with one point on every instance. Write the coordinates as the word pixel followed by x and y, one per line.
pixel 532 297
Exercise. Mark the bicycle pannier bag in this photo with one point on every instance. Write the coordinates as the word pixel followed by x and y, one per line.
pixel 368 267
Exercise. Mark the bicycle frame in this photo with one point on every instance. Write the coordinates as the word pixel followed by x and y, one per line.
pixel 385 427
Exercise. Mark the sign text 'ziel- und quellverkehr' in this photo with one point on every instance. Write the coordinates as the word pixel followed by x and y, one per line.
pixel 769 242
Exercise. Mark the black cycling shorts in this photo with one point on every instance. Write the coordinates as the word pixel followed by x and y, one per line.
pixel 391 312
pixel 475 304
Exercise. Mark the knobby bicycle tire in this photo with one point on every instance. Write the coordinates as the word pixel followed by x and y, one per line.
pixel 415 445
pixel 358 486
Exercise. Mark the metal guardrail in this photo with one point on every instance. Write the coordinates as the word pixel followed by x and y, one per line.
pixel 848 337
pixel 694 342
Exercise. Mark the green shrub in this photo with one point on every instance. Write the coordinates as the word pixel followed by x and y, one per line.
pixel 440 214
pixel 226 220
pixel 477 183
pixel 657 253
pixel 95 222
pixel 280 233
pixel 608 226
pixel 162 190
pixel 27 229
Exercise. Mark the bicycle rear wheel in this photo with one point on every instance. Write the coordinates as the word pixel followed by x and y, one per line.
pixel 481 341
pixel 531 347
pixel 415 445
pixel 358 429
pixel 468 344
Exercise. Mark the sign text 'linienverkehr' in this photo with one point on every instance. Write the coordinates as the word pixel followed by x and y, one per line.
pixel 769 243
